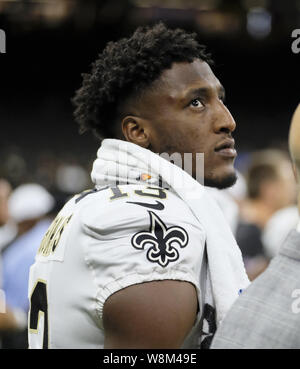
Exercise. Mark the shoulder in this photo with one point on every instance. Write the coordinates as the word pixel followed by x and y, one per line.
pixel 133 206
pixel 136 234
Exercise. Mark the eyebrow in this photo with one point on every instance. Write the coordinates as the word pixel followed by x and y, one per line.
pixel 203 92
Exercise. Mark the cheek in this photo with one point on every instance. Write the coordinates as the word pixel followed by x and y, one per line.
pixel 192 138
pixel 179 133
pixel 165 141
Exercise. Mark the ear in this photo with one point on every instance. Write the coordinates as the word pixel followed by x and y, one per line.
pixel 135 130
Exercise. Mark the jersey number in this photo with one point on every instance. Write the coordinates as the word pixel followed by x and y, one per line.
pixel 39 306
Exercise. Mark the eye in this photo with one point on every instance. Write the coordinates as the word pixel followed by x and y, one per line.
pixel 196 103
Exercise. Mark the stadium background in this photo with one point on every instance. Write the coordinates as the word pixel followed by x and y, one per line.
pixel 50 43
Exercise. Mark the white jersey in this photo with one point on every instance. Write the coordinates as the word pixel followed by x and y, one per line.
pixel 105 240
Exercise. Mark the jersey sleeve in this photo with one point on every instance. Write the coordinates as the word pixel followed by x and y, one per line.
pixel 136 240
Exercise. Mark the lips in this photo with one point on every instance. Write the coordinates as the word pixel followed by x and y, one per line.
pixel 226 148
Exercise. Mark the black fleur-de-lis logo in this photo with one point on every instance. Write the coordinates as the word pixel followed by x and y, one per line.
pixel 162 241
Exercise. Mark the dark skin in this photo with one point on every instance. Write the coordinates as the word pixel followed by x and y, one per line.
pixel 186 98
pixel 182 112
pixel 156 314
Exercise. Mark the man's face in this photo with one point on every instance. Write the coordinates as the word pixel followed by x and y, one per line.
pixel 186 114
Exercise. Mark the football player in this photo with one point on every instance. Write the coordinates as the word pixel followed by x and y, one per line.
pixel 124 264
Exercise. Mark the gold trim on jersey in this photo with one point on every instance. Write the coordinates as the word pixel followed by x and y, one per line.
pixel 119 194
pixel 53 235
pixel 161 193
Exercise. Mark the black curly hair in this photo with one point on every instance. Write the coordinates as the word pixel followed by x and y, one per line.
pixel 125 69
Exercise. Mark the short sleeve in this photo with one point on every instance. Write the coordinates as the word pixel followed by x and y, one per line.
pixel 140 240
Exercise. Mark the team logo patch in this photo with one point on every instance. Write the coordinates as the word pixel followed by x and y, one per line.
pixel 162 241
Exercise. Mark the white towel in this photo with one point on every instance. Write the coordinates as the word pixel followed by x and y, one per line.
pixel 124 162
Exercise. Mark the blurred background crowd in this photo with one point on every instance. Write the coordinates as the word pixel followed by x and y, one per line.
pixel 44 161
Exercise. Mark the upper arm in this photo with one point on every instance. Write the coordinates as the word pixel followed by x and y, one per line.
pixel 156 314
pixel 146 258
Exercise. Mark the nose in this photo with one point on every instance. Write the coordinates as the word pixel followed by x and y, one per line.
pixel 224 121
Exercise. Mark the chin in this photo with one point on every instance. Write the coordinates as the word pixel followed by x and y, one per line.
pixel 221 183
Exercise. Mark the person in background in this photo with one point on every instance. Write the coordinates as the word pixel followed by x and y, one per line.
pixel 8 228
pixel 29 205
pixel 271 186
pixel 7 233
pixel 278 228
pixel 230 200
pixel 266 315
